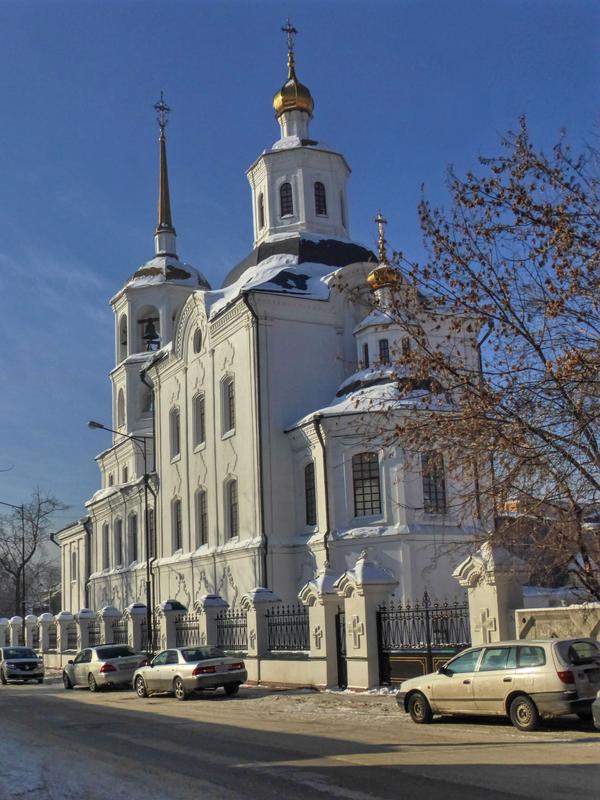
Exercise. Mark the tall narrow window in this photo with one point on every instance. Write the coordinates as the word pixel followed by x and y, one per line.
pixel 111 479
pixel 286 203
pixel 123 337
pixel 125 474
pixel 177 529
pixel 228 404
pixel 365 479
pixel 74 565
pixel 199 419
pixel 434 483
pixel 384 351
pixel 105 547
pixel 261 211
pixel 366 355
pixel 120 409
pixel 320 200
pixel 146 401
pixel 175 426
pixel 232 509
pixel 310 499
pixel 132 536
pixel 118 543
pixel 151 533
pixel 201 518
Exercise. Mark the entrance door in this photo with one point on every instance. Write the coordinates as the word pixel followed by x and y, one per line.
pixel 340 638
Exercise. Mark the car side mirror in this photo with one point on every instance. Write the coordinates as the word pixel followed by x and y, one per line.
pixel 445 671
pixel 70 662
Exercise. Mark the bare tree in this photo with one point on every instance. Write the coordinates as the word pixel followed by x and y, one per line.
pixel 504 327
pixel 19 545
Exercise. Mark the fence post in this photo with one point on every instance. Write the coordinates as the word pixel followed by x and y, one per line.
pixel 30 622
pixel 63 619
pixel 44 621
pixel 4 631
pixel 83 618
pixel 106 616
pixel 364 589
pixel 167 611
pixel 16 630
pixel 208 608
pixel 135 614
pixel 255 604
pixel 322 600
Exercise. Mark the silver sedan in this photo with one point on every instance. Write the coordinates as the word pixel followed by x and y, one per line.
pixel 104 665
pixel 183 670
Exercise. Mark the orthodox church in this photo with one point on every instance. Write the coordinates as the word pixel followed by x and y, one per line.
pixel 250 421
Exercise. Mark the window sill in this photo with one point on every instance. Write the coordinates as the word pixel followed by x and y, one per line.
pixel 371 519
pixel 228 434
pixel 200 447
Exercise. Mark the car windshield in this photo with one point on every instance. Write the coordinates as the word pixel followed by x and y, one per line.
pixel 105 653
pixel 584 652
pixel 201 653
pixel 18 652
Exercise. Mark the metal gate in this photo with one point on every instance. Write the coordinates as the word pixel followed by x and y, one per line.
pixel 340 639
pixel 418 638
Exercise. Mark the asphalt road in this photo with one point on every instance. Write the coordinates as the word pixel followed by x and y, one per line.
pixel 58 745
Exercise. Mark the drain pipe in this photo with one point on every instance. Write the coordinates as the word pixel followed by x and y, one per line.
pixel 87 525
pixel 264 578
pixel 318 430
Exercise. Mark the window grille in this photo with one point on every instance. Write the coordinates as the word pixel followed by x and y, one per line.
pixel 365 479
pixel 175 433
pixel 118 543
pixel 199 420
pixel 261 211
pixel 233 508
pixel 133 538
pixel 384 351
pixel 309 494
pixel 320 200
pixel 366 355
pixel 177 532
pixel 434 483
pixel 105 548
pixel 228 405
pixel 202 518
pixel 286 202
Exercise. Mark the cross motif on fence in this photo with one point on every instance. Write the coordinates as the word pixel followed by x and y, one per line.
pixel 318 636
pixel 357 629
pixel 487 624
pixel 252 637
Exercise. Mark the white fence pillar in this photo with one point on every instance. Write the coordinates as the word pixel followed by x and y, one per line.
pixel 323 605
pixel 4 632
pixel 16 631
pixel 106 617
pixel 208 608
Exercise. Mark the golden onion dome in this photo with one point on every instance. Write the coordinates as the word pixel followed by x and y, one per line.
pixel 293 95
pixel 384 275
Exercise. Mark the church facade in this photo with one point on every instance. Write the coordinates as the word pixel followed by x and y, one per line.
pixel 250 423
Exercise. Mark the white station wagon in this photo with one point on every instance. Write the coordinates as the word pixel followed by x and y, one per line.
pixel 523 679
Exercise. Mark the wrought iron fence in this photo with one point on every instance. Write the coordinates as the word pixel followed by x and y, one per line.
pixel 120 632
pixel 187 630
pixel 35 637
pixel 52 636
pixel 232 630
pixel 94 638
pixel 150 646
pixel 424 624
pixel 287 628
pixel 72 636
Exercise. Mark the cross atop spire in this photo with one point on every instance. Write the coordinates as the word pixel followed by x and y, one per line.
pixel 162 111
pixel 291 32
pixel 380 221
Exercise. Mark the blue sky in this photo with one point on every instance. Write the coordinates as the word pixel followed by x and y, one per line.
pixel 402 88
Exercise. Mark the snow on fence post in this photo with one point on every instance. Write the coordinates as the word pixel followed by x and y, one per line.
pixel 45 620
pixel 166 613
pixel 31 622
pixel 85 619
pixel 63 620
pixel 208 608
pixel 4 632
pixel 135 614
pixel 256 603
pixel 106 616
pixel 363 588
pixel 323 604
pixel 16 631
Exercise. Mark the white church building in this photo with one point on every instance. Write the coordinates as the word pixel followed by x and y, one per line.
pixel 250 421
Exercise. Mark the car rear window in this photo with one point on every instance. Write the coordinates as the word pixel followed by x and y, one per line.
pixel 104 653
pixel 582 653
pixel 191 654
pixel 531 656
pixel 18 652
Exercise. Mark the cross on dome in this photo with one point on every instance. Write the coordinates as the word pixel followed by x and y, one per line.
pixel 291 32
pixel 162 110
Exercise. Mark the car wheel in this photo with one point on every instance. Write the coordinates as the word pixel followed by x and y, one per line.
pixel 67 681
pixel 419 708
pixel 524 714
pixel 93 686
pixel 3 680
pixel 231 688
pixel 179 689
pixel 585 716
pixel 140 687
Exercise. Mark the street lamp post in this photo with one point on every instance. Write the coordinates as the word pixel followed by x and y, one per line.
pixel 20 508
pixel 140 441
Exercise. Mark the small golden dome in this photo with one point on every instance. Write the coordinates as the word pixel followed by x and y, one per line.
pixel 384 275
pixel 293 95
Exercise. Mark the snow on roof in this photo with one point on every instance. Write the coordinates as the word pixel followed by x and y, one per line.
pixel 166 269
pixel 370 374
pixel 310 237
pixel 280 274
pixel 376 317
pixel 290 142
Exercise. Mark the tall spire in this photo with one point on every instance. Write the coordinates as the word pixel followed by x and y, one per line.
pixel 293 95
pixel 380 221
pixel 291 32
pixel 164 237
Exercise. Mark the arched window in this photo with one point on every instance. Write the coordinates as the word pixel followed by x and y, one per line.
pixel 197 340
pixel 176 524
pixel 120 409
pixel 201 518
pixel 228 404
pixel 146 400
pixel 151 533
pixel 111 479
pixel 320 200
pixel 232 508
pixel 132 536
pixel 261 211
pixel 123 337
pixel 199 419
pixel 125 474
pixel 105 547
pixel 286 202
pixel 175 432
pixel 384 351
pixel 434 483
pixel 74 565
pixel 310 500
pixel 365 481
pixel 148 323
pixel 118 543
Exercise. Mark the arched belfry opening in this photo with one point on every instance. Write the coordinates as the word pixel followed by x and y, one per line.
pixel 148 329
pixel 123 353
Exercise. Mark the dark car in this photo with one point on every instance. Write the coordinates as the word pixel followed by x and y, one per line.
pixel 20 664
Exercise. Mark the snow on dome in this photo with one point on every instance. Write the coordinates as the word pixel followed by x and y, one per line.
pixel 167 269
